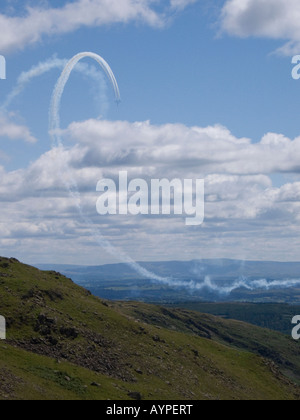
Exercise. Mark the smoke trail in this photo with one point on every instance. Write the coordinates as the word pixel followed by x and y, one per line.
pixel 99 238
pixel 27 76
pixel 71 184
pixel 241 283
pixel 60 86
pixel 69 66
pixel 48 65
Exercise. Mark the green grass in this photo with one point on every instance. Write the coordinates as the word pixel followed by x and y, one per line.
pixel 278 347
pixel 273 316
pixel 61 340
pixel 27 376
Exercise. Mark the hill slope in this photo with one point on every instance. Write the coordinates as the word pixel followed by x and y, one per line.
pixel 274 316
pixel 278 348
pixel 61 339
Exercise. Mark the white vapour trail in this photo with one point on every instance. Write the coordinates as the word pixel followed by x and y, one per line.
pixel 241 283
pixel 70 183
pixel 69 66
pixel 99 238
pixel 48 65
pixel 27 76
pixel 60 86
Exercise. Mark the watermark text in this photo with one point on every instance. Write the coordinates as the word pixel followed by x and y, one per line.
pixel 296 329
pixel 2 67
pixel 2 328
pixel 156 410
pixel 156 197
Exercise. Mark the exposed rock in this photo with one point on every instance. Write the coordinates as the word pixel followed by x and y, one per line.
pixel 96 385
pixel 69 332
pixel 135 396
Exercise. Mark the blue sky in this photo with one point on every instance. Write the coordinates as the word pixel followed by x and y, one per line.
pixel 185 72
pixel 223 67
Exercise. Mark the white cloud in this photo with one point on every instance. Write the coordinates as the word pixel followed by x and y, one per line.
pixel 19 31
pixel 14 131
pixel 177 147
pixel 246 215
pixel 181 4
pixel 274 19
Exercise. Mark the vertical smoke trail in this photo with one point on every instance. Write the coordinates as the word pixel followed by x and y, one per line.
pixel 70 183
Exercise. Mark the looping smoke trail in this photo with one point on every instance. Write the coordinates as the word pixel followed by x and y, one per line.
pixel 103 242
pixel 60 87
pixel 207 284
pixel 54 129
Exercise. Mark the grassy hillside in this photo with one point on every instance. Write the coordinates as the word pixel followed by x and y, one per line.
pixel 64 343
pixel 279 348
pixel 275 316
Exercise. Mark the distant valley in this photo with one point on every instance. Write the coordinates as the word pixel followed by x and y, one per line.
pixel 215 280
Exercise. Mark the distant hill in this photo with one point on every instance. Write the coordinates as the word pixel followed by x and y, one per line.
pixel 120 282
pixel 219 269
pixel 274 316
pixel 64 343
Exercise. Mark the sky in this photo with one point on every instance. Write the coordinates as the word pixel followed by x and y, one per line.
pixel 206 93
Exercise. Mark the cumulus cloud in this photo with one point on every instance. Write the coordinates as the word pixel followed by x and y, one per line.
pixel 247 216
pixel 274 19
pixel 18 31
pixel 13 131
pixel 210 149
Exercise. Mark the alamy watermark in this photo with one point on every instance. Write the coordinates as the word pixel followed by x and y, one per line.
pixel 296 76
pixel 2 67
pixel 2 328
pixel 296 329
pixel 155 197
